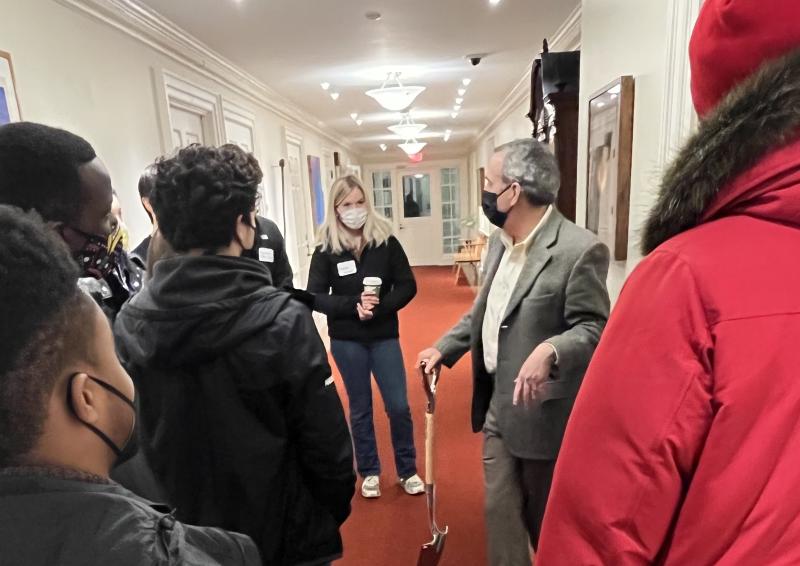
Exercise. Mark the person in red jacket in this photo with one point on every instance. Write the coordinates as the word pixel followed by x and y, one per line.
pixel 684 444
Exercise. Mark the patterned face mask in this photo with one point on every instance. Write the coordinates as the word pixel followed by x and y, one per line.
pixel 98 256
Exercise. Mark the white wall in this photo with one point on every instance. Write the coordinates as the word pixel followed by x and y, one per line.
pixel 76 72
pixel 626 37
pixel 514 125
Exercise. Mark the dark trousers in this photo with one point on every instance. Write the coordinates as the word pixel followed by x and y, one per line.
pixel 357 361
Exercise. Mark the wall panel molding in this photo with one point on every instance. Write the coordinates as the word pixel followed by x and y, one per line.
pixel 678 118
pixel 160 34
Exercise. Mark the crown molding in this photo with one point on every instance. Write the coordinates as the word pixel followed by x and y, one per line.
pixel 157 32
pixel 678 118
pixel 566 38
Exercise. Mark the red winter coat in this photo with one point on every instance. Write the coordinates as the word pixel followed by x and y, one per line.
pixel 684 444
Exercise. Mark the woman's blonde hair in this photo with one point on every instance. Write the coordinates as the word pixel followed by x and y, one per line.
pixel 333 237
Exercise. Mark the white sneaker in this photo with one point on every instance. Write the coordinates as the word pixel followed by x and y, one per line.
pixel 413 485
pixel 371 487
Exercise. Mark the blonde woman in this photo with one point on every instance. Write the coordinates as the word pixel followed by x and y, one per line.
pixel 355 242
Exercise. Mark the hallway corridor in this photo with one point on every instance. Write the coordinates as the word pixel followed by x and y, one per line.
pixel 389 531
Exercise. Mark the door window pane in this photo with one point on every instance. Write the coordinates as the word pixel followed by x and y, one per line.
pixel 451 228
pixel 416 195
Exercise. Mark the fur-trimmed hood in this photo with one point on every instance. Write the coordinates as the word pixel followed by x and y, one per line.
pixel 744 152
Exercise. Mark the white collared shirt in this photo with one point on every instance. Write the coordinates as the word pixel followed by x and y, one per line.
pixel 503 284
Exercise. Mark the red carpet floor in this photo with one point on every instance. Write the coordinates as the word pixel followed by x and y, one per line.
pixel 390 530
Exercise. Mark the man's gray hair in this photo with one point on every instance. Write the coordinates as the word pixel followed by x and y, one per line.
pixel 530 163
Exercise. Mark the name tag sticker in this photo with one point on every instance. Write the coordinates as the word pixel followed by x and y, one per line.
pixel 266 254
pixel 346 268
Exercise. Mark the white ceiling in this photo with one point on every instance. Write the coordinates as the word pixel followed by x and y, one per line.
pixel 294 45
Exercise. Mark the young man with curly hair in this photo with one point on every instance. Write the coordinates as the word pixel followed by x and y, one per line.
pixel 66 416
pixel 240 418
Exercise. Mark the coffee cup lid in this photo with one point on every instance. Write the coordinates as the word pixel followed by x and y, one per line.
pixel 372 281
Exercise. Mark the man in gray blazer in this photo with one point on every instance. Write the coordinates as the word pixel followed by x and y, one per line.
pixel 532 332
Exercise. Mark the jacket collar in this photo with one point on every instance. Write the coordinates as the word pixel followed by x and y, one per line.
pixel 538 257
pixel 714 172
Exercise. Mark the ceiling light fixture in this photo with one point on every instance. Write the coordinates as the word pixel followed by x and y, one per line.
pixel 462 91
pixel 325 86
pixel 335 95
pixel 456 108
pixel 459 100
pixel 354 115
pixel 395 98
pixel 447 135
pixel 407 128
pixel 383 147
pixel 359 122
pixel 454 115
pixel 466 82
pixel 412 147
pixel 494 2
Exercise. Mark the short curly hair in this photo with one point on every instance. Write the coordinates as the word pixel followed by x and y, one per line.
pixel 39 169
pixel 201 191
pixel 52 325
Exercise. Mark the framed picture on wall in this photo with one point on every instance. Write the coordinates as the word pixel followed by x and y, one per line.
pixel 608 178
pixel 9 104
pixel 317 193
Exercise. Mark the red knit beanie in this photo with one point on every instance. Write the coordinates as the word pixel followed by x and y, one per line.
pixel 732 38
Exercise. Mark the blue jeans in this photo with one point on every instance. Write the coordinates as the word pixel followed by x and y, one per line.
pixel 356 361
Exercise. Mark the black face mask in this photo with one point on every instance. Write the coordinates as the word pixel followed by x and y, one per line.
pixel 489 205
pixel 98 256
pixel 131 446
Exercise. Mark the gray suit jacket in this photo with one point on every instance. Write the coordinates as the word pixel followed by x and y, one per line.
pixel 560 298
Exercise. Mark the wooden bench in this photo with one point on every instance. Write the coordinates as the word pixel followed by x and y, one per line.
pixel 469 253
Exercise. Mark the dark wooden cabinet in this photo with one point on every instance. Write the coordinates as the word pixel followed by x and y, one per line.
pixel 554 113
pixel 565 146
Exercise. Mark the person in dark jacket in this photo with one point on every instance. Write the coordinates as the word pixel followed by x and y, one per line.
pixel 146 182
pixel 241 421
pixel 66 415
pixel 356 243
pixel 270 249
pixel 58 174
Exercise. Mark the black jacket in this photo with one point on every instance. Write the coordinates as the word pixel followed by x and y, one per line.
pixel 139 253
pixel 387 261
pixel 270 249
pixel 240 419
pixel 47 520
pixel 121 284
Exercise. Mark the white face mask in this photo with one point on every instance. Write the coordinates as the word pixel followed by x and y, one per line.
pixel 355 218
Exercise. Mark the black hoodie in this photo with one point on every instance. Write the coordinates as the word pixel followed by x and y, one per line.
pixel 240 419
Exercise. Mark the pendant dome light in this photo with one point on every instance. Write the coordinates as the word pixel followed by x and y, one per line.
pixel 407 128
pixel 412 147
pixel 395 98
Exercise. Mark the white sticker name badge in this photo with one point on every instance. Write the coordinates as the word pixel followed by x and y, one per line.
pixel 266 254
pixel 347 268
